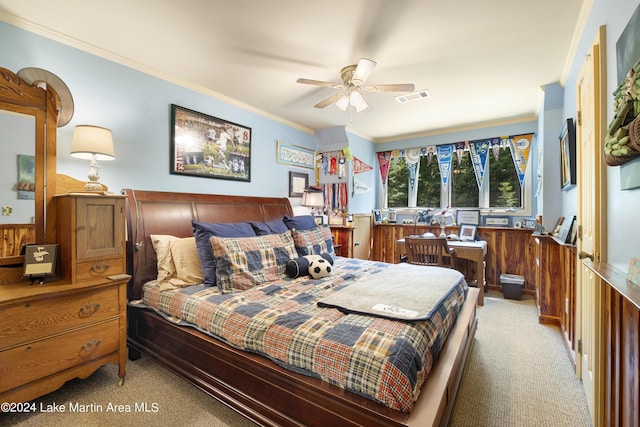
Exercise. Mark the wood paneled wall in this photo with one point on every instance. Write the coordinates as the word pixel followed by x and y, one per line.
pixel 509 250
pixel 621 337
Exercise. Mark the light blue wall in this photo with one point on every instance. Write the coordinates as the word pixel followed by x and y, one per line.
pixel 136 107
pixel 622 206
pixel 364 150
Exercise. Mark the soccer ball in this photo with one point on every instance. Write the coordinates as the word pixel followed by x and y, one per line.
pixel 319 268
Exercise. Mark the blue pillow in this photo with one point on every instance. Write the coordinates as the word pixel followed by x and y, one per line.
pixel 276 226
pixel 204 231
pixel 301 222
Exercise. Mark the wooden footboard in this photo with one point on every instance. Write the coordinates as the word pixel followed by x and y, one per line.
pixel 273 396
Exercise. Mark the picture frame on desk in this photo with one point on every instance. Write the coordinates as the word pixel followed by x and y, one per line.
pixel 468 232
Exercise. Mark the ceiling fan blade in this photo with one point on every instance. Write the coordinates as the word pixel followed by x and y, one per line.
pixel 390 88
pixel 330 100
pixel 320 83
pixel 363 71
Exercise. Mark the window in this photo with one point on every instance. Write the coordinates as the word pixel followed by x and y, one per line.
pixel 464 187
pixel 500 190
pixel 504 185
pixel 398 184
pixel 429 184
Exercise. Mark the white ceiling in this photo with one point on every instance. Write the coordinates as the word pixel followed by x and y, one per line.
pixel 481 60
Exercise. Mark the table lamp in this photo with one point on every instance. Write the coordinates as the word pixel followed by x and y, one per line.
pixel 93 143
pixel 313 198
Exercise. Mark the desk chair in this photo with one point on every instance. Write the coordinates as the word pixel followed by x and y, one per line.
pixel 429 251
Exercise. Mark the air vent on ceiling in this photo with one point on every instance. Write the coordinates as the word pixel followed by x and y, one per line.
pixel 413 96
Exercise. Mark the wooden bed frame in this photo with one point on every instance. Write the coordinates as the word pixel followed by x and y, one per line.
pixel 251 384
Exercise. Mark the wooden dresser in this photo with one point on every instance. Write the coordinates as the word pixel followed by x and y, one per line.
pixel 73 324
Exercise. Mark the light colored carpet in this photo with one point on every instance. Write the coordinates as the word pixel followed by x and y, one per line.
pixel 518 375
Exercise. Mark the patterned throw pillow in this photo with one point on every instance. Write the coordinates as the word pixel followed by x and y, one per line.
pixel 245 262
pixel 313 242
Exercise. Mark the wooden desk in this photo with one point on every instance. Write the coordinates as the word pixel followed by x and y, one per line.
pixel 473 251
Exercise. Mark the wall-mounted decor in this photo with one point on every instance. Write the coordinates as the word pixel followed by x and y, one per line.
pixel 469 216
pixel 26 177
pixel 297 183
pixel 294 155
pixel 209 147
pixel 568 155
pixel 497 221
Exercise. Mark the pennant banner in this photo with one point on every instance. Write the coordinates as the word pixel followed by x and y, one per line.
pixel 431 150
pixel 520 147
pixel 384 161
pixel 445 155
pixel 359 166
pixel 479 151
pixel 359 187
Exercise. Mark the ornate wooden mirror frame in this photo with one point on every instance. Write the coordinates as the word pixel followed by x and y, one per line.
pixel 43 104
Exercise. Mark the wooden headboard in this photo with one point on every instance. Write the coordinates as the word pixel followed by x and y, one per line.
pixel 157 212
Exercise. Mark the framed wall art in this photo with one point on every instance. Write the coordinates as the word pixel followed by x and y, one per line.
pixel 297 183
pixel 293 155
pixel 568 155
pixel 209 147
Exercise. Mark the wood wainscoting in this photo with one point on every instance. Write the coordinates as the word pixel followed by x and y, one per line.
pixel 509 250
pixel 620 329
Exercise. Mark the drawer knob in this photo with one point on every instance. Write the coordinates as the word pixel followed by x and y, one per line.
pixel 99 268
pixel 89 309
pixel 91 346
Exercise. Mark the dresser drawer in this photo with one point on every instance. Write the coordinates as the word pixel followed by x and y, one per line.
pixel 30 362
pixel 91 270
pixel 28 321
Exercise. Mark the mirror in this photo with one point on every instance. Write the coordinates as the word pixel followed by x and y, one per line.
pixel 40 106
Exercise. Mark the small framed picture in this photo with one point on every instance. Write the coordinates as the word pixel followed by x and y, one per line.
pixel 468 231
pixel 497 221
pixel 336 219
pixel 471 216
pixel 39 262
pixel 377 216
pixel 319 219
pixel 297 183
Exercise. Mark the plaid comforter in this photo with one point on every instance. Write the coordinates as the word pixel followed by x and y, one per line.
pixel 384 360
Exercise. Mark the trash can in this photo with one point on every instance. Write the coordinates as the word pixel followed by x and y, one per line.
pixel 512 285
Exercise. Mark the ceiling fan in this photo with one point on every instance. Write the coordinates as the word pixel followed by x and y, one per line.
pixel 353 83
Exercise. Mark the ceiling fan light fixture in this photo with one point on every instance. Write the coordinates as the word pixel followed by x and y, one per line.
pixel 343 102
pixel 357 101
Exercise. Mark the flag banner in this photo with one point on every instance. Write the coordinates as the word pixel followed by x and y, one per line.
pixel 445 155
pixel 412 158
pixel 479 151
pixel 359 187
pixel 495 147
pixel 384 161
pixel 520 147
pixel 359 166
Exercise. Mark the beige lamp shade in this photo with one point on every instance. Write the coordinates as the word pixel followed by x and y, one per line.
pixel 313 199
pixel 92 140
